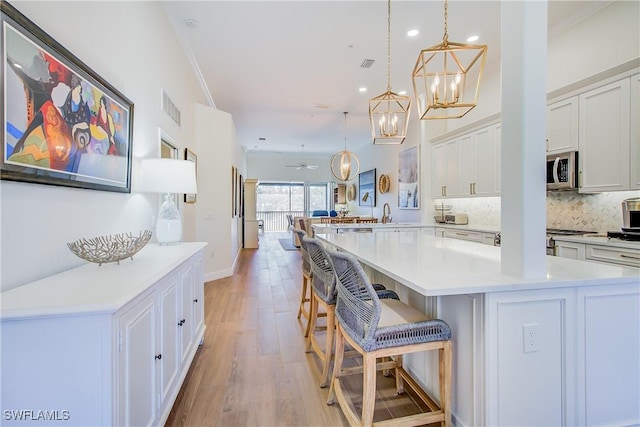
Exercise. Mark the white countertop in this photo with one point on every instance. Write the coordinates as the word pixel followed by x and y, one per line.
pixel 93 288
pixel 435 266
pixel 318 228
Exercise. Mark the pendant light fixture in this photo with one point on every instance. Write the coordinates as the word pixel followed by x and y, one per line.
pixel 446 77
pixel 345 166
pixel 389 112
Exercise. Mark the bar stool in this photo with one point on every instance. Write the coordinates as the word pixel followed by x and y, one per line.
pixel 305 297
pixel 323 294
pixel 384 328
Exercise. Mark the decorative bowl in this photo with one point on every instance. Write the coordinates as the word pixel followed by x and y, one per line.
pixel 111 248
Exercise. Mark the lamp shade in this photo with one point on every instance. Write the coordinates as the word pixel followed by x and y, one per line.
pixel 167 176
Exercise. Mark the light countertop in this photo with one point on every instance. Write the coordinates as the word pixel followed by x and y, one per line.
pixel 435 266
pixel 93 288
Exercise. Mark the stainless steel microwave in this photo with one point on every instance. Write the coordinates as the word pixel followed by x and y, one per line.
pixel 562 171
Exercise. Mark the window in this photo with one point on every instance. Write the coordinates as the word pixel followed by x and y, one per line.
pixel 276 200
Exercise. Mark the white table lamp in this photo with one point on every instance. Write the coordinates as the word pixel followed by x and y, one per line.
pixel 168 176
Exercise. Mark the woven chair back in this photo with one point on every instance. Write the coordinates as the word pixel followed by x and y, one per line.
pixel 323 275
pixel 306 265
pixel 357 303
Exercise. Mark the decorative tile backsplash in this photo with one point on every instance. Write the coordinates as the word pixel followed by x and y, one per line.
pixel 482 211
pixel 591 212
pixel 565 209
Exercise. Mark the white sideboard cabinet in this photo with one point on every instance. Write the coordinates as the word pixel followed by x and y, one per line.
pixel 103 345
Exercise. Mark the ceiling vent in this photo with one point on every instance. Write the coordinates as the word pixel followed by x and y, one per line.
pixel 367 63
pixel 170 108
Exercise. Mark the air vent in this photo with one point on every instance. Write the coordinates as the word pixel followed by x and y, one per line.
pixel 170 108
pixel 367 63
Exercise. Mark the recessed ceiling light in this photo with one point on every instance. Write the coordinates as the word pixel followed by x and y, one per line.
pixel 402 92
pixel 362 89
pixel 472 38
pixel 413 33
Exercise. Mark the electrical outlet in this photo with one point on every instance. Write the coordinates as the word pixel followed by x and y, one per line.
pixel 530 338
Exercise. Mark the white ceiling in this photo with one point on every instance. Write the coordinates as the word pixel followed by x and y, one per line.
pixel 271 63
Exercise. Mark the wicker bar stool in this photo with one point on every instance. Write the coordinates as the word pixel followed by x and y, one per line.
pixel 305 297
pixel 383 328
pixel 323 287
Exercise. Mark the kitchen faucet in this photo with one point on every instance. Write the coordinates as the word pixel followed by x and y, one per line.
pixel 386 213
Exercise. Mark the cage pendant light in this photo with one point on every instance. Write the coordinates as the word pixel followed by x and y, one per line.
pixel 345 165
pixel 389 112
pixel 446 78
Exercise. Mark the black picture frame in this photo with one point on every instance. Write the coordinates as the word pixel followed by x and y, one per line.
pixel 367 188
pixel 62 123
pixel 192 157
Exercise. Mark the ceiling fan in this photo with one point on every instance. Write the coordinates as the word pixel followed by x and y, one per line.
pixel 303 165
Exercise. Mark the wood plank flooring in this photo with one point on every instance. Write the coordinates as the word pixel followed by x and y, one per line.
pixel 252 369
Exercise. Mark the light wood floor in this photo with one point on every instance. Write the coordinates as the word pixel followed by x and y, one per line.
pixel 252 369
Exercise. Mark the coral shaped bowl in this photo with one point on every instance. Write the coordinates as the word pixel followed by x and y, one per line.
pixel 111 248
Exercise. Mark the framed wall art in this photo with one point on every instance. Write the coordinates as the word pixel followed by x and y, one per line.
pixel 409 178
pixel 234 189
pixel 62 123
pixel 367 187
pixel 191 156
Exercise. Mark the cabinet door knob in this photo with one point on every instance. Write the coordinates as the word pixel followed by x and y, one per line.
pixel 195 300
pixel 158 356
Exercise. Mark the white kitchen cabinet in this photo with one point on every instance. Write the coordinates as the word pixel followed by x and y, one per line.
pixel 613 256
pixel 104 343
pixel 169 299
pixel 474 236
pixel 570 250
pixel 635 132
pixel 562 126
pixel 489 239
pixel 497 159
pixel 445 167
pixel 138 357
pixel 468 166
pixel 604 138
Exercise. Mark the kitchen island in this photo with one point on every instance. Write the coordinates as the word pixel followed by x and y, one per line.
pixel 559 350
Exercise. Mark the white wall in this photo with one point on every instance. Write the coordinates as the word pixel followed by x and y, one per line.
pixel 608 38
pixel 131 45
pixel 214 223
pixel 273 167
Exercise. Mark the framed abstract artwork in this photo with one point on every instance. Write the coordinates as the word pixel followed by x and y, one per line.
pixel 409 178
pixel 367 187
pixel 191 156
pixel 62 123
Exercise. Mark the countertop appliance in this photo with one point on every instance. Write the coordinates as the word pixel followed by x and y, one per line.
pixel 458 219
pixel 562 171
pixel 631 215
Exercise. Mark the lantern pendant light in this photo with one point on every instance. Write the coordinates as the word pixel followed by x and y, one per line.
pixel 446 77
pixel 345 165
pixel 389 112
